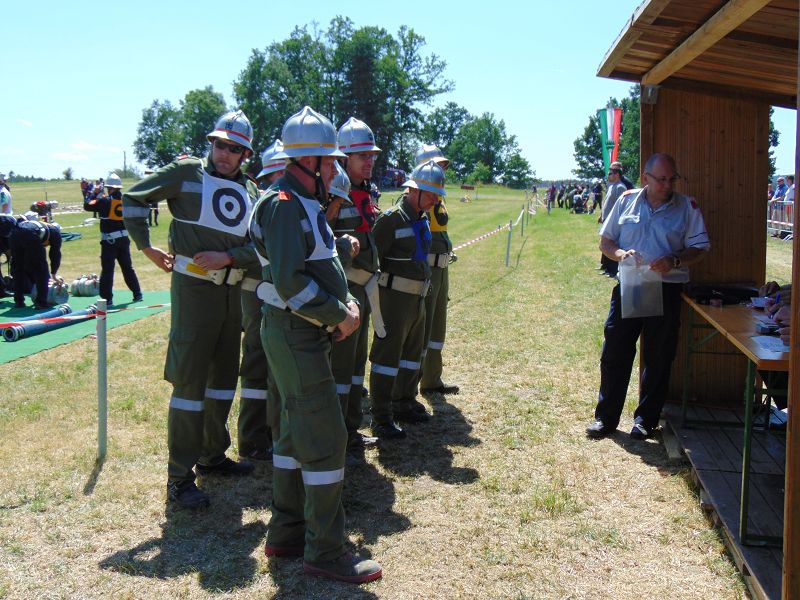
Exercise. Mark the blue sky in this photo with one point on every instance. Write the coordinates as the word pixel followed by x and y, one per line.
pixel 78 75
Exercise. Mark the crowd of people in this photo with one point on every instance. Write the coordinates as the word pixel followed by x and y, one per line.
pixel 301 260
pixel 575 197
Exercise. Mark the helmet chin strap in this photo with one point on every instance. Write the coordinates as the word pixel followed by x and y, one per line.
pixel 320 192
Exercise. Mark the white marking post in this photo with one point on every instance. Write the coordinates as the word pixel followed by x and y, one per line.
pixel 102 382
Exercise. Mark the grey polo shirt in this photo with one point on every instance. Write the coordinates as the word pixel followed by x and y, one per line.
pixel 669 229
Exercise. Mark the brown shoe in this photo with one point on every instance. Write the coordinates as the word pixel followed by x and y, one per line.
pixel 348 567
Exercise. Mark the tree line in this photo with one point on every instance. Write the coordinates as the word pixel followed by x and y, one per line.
pixel 385 80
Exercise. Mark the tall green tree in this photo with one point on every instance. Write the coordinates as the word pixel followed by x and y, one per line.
pixel 381 79
pixel 361 61
pixel 159 137
pixel 518 174
pixel 774 140
pixel 280 80
pixel 442 125
pixel 412 81
pixel 200 110
pixel 589 151
pixel 483 140
pixel 629 153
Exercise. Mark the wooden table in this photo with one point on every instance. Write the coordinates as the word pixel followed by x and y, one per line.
pixel 737 324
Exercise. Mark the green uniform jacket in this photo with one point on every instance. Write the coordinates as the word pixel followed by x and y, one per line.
pixel 395 245
pixel 315 288
pixel 180 183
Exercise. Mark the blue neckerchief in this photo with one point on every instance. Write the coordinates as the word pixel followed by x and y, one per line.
pixel 324 231
pixel 422 237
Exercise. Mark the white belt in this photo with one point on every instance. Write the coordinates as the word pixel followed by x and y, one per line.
pixel 228 275
pixel 267 293
pixel 359 276
pixel 249 284
pixel 107 237
pixel 439 260
pixel 370 283
pixel 404 284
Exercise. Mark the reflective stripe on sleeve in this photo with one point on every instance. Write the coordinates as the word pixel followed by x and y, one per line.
pixel 323 477
pixel 284 462
pixel 254 394
pixel 358 380
pixel 403 232
pixel 383 370
pixel 305 295
pixel 192 187
pixel 184 404
pixel 342 388
pixel 220 394
pixel 409 364
pixel 132 212
pixel 435 345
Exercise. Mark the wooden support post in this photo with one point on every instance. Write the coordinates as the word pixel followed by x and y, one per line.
pixel 791 503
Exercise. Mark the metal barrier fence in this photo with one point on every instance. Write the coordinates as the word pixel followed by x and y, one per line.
pixel 780 219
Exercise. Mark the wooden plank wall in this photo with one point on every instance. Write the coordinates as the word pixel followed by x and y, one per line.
pixel 720 145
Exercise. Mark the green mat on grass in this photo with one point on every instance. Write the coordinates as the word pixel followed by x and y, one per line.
pixel 25 347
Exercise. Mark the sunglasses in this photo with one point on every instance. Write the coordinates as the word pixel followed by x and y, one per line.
pixel 232 148
pixel 664 180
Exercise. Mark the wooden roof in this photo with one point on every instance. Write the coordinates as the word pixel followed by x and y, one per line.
pixel 740 47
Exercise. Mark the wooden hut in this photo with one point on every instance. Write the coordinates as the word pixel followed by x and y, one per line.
pixel 709 71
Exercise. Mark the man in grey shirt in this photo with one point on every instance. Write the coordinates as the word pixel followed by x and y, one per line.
pixel 614 190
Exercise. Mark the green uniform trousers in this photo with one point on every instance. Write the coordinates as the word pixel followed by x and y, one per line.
pixel 348 361
pixel 202 365
pixel 396 358
pixel 435 328
pixel 308 456
pixel 253 406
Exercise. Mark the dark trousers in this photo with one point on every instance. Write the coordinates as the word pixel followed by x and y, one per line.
pixel 609 266
pixel 659 340
pixel 28 264
pixel 117 251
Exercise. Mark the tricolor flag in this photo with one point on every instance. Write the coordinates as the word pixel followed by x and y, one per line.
pixel 610 126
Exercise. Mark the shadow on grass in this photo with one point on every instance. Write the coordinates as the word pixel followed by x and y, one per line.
pixel 426 449
pixel 368 499
pixel 213 543
pixel 88 489
pixel 651 452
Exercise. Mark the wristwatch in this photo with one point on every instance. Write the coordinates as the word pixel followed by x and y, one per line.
pixel 676 262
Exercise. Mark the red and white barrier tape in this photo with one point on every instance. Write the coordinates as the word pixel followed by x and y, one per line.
pixel 481 237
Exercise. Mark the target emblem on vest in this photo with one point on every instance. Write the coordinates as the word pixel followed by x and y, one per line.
pixel 229 206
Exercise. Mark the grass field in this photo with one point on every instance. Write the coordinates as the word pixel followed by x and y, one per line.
pixel 499 496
